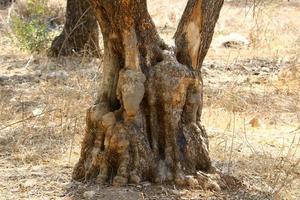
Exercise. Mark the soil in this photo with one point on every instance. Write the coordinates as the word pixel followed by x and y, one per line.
pixel 42 112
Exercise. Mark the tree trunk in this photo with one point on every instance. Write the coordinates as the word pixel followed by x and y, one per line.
pixel 145 124
pixel 81 32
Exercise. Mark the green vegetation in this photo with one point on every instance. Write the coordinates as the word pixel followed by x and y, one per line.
pixel 30 27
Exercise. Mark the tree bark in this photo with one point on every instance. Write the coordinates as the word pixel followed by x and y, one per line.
pixel 145 124
pixel 80 33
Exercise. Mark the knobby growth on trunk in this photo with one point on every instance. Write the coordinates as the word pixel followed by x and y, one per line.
pixel 146 122
pixel 80 33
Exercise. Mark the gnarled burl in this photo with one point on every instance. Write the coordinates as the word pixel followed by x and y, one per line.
pixel 146 122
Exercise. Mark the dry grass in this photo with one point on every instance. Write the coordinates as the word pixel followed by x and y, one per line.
pixel 54 9
pixel 38 151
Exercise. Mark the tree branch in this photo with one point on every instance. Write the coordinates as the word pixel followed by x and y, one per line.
pixel 194 33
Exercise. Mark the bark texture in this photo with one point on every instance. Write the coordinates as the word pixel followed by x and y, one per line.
pixel 80 33
pixel 146 123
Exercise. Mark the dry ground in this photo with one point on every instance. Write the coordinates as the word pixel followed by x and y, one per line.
pixel 252 111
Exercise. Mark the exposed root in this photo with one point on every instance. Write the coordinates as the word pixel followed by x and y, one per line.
pixel 146 123
pixel 128 146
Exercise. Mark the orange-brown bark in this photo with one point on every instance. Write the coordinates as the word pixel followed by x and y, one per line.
pixel 146 123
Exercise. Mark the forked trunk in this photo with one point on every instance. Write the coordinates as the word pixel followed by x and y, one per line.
pixel 146 122
pixel 80 34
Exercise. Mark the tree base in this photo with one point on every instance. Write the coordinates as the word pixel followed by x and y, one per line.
pixel 145 125
pixel 81 33
pixel 158 138
pixel 63 46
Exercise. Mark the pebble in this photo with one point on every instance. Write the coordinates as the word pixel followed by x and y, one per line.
pixel 88 194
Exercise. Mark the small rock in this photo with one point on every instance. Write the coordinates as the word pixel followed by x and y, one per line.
pixel 233 40
pixel 213 186
pixel 266 69
pixel 146 184
pixel 37 112
pixel 37 168
pixel 88 194
pixel 68 185
pixel 58 75
pixel 254 122
pixel 175 192
pixel 191 181
pixel 29 183
pixel 51 124
pixel 3 78
pixel 13 100
pixel 212 66
pixel 38 73
pixel 14 190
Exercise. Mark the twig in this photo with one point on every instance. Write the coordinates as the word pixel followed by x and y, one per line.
pixel 28 62
pixel 246 139
pixel 75 27
pixel 232 143
pixel 72 141
pixel 28 118
pixel 292 167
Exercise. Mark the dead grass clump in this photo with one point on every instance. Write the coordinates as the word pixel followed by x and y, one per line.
pixel 261 161
pixel 289 76
pixel 56 10
pixel 41 120
pixel 52 10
